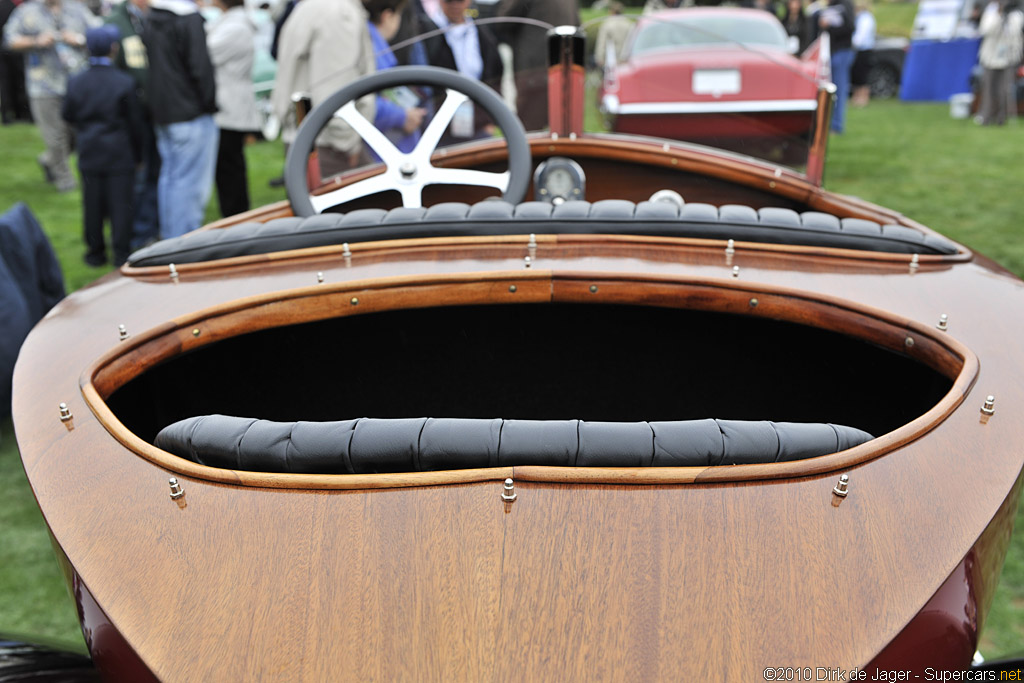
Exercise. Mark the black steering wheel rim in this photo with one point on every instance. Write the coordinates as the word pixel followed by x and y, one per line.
pixel 519 158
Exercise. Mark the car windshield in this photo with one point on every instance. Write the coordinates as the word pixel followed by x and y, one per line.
pixel 702 31
pixel 758 100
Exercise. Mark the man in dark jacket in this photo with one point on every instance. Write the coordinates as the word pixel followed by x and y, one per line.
pixel 182 109
pixel 530 53
pixel 101 106
pixel 471 50
pixel 130 19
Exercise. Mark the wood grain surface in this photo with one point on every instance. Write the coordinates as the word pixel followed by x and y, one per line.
pixel 705 580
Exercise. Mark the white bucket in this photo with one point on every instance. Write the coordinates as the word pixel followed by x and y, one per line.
pixel 960 105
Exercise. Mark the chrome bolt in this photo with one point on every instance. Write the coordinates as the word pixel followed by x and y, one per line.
pixel 988 408
pixel 345 251
pixel 753 303
pixel 512 288
pixel 843 487
pixel 730 247
pixel 593 289
pixel 943 322
pixel 354 301
pixel 122 332
pixel 195 332
pixel 527 262
pixel 509 494
pixel 532 244
pixel 65 412
pixel 735 271
pixel 908 342
pixel 320 278
pixel 408 170
pixel 173 271
pixel 176 491
pixel 915 262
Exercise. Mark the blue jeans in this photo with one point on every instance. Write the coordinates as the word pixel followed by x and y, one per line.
pixel 188 156
pixel 842 62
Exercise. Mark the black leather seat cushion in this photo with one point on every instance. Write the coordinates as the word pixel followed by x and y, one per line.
pixel 369 445
pixel 611 216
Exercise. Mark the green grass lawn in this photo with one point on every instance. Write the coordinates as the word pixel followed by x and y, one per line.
pixel 949 174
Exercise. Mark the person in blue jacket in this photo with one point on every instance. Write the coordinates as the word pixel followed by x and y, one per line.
pixel 102 107
pixel 399 114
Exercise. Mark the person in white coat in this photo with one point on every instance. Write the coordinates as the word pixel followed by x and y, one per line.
pixel 325 45
pixel 230 40
pixel 1000 53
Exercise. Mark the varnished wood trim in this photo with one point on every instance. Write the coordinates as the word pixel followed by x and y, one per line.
pixel 675 156
pixel 307 304
pixel 130 359
pixel 936 350
pixel 334 251
pixel 438 243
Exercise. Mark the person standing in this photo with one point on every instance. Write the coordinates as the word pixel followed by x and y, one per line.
pixel 324 46
pixel 1000 53
pixel 102 107
pixel 795 20
pixel 472 50
pixel 51 36
pixel 129 17
pixel 837 19
pixel 182 109
pixel 611 36
pixel 863 43
pixel 398 120
pixel 13 98
pixel 231 41
pixel 530 53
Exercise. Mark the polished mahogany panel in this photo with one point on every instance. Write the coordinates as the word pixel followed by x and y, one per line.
pixel 699 580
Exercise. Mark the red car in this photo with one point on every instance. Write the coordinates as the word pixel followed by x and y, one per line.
pixel 684 69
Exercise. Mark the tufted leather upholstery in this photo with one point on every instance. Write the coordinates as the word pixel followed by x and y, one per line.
pixel 427 444
pixel 611 216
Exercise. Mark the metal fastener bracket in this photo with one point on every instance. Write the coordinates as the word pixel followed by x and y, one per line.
pixel 509 493
pixel 843 487
pixel 989 407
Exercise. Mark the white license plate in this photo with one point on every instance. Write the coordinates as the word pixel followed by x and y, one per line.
pixel 716 82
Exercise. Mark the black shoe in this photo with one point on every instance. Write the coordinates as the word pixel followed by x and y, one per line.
pixel 95 260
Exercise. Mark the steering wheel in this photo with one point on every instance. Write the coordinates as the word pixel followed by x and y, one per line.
pixel 408 173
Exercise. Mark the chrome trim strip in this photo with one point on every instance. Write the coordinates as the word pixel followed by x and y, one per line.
pixel 715 107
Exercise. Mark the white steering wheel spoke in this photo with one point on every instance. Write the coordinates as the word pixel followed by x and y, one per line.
pixel 462 176
pixel 439 124
pixel 363 188
pixel 370 134
pixel 412 195
pixel 406 173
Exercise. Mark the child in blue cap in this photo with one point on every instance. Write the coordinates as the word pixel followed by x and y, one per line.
pixel 102 106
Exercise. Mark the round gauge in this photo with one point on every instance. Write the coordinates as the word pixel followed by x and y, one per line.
pixel 560 182
pixel 557 180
